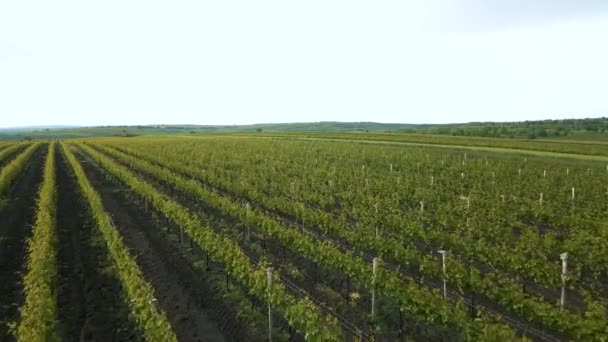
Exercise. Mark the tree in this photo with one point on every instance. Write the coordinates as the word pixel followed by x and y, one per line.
pixel 541 132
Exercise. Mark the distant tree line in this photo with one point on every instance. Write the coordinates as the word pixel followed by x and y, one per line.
pixel 524 129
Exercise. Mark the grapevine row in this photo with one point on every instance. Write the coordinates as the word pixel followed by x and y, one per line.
pixel 14 168
pixel 301 314
pixel 514 144
pixel 488 237
pixel 39 310
pixel 8 150
pixel 152 322
pixel 414 301
pixel 508 295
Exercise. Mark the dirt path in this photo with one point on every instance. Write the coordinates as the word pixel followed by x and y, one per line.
pixel 177 288
pixel 90 306
pixel 16 221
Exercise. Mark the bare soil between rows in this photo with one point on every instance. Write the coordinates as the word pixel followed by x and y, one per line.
pixel 91 306
pixel 11 156
pixel 16 220
pixel 182 293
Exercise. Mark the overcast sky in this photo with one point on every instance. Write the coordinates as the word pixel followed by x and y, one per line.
pixel 239 62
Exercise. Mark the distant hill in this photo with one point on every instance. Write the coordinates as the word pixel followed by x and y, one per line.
pixel 325 126
pixel 570 129
pixel 32 128
pixel 60 132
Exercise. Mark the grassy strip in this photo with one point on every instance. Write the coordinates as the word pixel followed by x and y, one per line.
pixel 10 171
pixel 301 314
pixel 39 311
pixel 152 322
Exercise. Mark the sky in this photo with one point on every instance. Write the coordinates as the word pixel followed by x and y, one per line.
pixel 242 62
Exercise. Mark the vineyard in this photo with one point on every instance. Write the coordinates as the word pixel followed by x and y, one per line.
pixel 303 237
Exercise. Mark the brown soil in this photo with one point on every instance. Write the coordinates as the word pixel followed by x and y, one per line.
pixel 180 291
pixel 16 219
pixel 90 305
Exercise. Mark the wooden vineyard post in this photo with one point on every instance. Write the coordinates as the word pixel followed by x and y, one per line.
pixel 269 274
pixel 564 258
pixel 347 288
pixel 374 270
pixel 376 211
pixel 572 195
pixel 540 200
pixel 421 213
pixel 248 236
pixel 445 287
pixel 154 303
pixel 472 307
pixel 432 181
pixel 181 234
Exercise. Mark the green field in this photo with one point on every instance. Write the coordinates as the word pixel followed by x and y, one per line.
pixel 594 130
pixel 350 225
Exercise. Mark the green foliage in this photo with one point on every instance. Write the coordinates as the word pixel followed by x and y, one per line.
pixel 420 304
pixel 524 129
pixel 152 322
pixel 8 150
pixel 299 313
pixel 39 311
pixel 335 187
pixel 595 148
pixel 10 171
